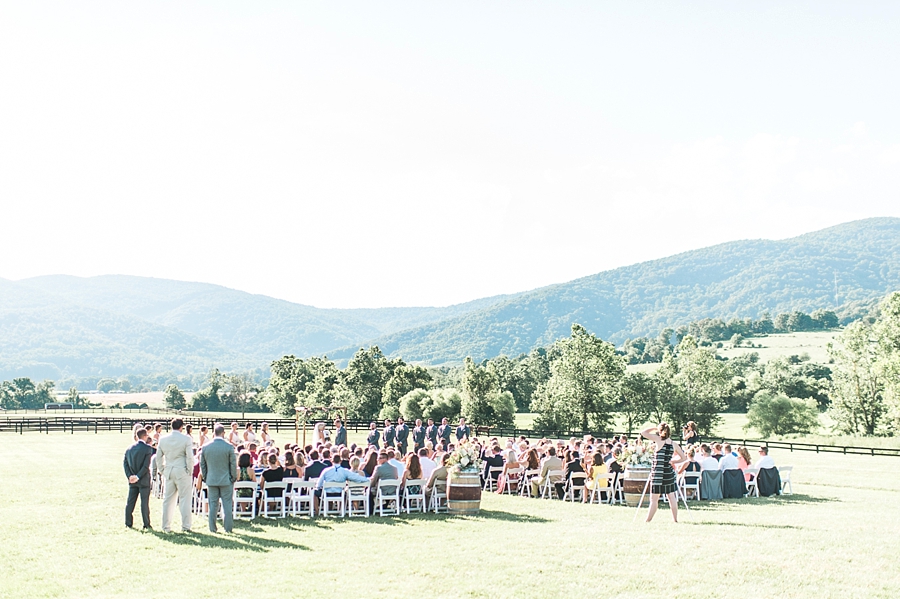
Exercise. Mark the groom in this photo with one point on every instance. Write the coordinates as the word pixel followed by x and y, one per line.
pixel 175 459
pixel 218 466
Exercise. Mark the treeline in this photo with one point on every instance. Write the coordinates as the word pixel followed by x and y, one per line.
pixel 708 331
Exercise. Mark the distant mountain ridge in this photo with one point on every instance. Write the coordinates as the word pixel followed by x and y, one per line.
pixel 111 325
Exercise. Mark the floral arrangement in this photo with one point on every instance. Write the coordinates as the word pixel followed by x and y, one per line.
pixel 465 458
pixel 639 455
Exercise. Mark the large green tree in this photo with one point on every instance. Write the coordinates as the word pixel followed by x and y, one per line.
pixel 364 378
pixel 857 404
pixel 584 385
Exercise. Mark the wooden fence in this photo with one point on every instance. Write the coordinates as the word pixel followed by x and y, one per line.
pixel 97 424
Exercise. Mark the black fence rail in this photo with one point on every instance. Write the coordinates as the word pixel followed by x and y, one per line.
pixel 97 424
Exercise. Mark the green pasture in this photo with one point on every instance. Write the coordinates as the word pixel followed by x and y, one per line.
pixel 62 535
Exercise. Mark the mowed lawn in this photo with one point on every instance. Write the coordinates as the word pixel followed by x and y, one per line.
pixel 62 535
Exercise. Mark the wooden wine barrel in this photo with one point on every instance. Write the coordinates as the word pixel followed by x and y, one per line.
pixel 633 485
pixel 464 493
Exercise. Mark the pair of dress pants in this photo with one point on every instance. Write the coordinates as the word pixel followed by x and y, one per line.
pixel 133 492
pixel 226 493
pixel 178 489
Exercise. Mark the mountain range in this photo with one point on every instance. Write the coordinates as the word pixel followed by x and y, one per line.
pixel 60 326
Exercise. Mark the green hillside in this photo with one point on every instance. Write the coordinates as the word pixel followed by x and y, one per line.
pixel 849 266
pixel 112 325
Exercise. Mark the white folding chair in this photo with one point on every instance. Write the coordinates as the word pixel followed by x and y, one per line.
pixel 300 500
pixel 547 489
pixel 200 501
pixel 784 472
pixel 513 480
pixel 693 485
pixel 752 491
pixel 357 499
pixel 525 482
pixel 575 487
pixel 248 502
pixel 333 503
pixel 597 490
pixel 438 501
pixel 384 497
pixel 490 481
pixel 414 495
pixel 271 499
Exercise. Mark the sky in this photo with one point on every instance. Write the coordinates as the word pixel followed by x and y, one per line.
pixel 359 154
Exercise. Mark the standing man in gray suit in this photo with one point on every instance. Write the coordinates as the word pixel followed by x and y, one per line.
pixel 175 459
pixel 218 466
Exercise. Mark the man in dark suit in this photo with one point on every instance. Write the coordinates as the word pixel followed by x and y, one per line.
pixel 315 467
pixel 340 433
pixel 387 435
pixel 494 460
pixel 463 431
pixel 137 469
pixel 418 435
pixel 401 433
pixel 218 467
pixel 372 439
pixel 431 433
pixel 444 432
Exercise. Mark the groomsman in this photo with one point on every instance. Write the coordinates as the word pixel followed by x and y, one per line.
pixel 175 459
pixel 372 439
pixel 137 469
pixel 463 431
pixel 431 433
pixel 340 433
pixel 444 432
pixel 418 436
pixel 218 467
pixel 387 435
pixel 402 435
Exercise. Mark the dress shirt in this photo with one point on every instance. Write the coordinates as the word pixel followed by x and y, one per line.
pixel 428 466
pixel 728 462
pixel 709 463
pixel 336 474
pixel 765 462
pixel 400 466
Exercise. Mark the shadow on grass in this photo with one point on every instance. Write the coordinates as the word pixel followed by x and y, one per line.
pixel 731 504
pixel 233 540
pixel 301 523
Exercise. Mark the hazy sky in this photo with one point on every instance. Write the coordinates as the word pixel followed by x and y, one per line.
pixel 368 154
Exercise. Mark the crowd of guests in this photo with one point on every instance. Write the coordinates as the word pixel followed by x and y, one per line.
pixel 418 454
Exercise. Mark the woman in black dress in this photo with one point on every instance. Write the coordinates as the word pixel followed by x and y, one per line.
pixel 662 478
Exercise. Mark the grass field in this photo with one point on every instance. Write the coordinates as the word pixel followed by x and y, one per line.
pixel 62 535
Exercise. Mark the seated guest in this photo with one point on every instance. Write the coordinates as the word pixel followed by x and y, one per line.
pixel 729 460
pixel 744 462
pixel 511 462
pixel 551 463
pixel 764 461
pixel 245 474
pixel 412 471
pixel 428 465
pixel 495 460
pixel 384 471
pixel 573 464
pixel 438 475
pixel 596 470
pixel 315 467
pixel 707 462
pixel 614 466
pixel 356 466
pixel 371 463
pixel 335 474
pixel 689 465
pixel 393 461
pixel 717 451
pixel 532 462
pixel 345 458
pixel 291 470
pixel 274 473
pixel 253 455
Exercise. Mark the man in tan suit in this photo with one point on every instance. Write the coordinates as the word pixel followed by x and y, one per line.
pixel 175 459
pixel 550 464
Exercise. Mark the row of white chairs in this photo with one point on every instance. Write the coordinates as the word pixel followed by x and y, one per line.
pixel 351 499
pixel 693 486
pixel 518 481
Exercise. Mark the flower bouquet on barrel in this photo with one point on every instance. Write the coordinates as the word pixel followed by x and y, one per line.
pixel 637 459
pixel 464 480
